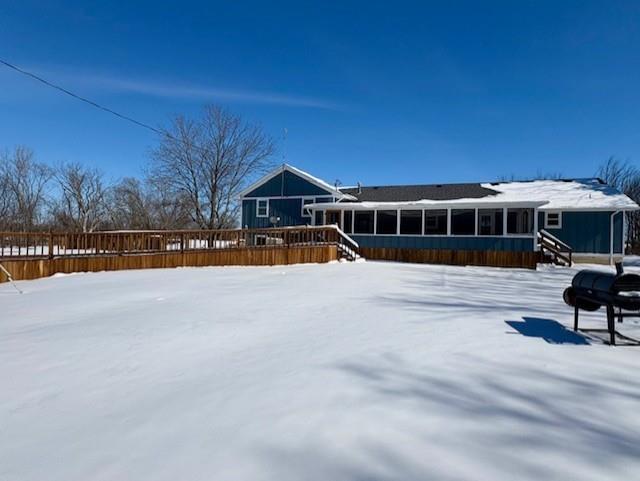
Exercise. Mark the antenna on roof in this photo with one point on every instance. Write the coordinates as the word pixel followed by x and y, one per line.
pixel 359 188
pixel 337 183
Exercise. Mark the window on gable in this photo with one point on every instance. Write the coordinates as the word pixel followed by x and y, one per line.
pixel 262 208
pixel 553 220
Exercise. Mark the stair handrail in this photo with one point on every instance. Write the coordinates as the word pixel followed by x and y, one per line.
pixel 346 237
pixel 545 233
pixel 556 246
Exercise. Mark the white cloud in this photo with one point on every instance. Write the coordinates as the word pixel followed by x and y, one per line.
pixel 176 90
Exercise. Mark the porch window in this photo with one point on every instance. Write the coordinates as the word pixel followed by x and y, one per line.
pixel 363 222
pixel 262 208
pixel 519 221
pixel 552 220
pixel 490 222
pixel 411 222
pixel 463 221
pixel 435 222
pixel 348 216
pixel 387 222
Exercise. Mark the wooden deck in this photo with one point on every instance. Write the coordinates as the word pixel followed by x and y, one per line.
pixel 35 255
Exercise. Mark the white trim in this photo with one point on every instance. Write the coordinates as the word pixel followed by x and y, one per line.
pixel 536 228
pixel 331 190
pixel 428 205
pixel 302 206
pixel 430 236
pixel 258 200
pixel 546 219
pixel 612 235
pixel 475 221
pixel 588 209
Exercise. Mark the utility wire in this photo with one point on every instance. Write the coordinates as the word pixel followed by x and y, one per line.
pixel 82 99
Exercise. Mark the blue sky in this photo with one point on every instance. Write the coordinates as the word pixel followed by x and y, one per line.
pixel 377 92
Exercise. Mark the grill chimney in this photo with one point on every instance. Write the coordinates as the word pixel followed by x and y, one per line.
pixel 619 268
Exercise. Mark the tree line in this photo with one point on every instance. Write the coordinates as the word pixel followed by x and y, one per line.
pixel 192 180
pixel 625 177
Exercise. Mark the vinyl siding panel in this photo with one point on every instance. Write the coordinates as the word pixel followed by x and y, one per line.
pixel 289 211
pixel 287 184
pixel 588 232
pixel 452 243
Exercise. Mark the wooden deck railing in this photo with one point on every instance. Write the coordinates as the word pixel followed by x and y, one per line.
pixel 50 245
pixel 555 247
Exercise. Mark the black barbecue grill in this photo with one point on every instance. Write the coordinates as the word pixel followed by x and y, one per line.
pixel 591 290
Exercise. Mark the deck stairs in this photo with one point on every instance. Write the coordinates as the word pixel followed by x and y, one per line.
pixel 553 250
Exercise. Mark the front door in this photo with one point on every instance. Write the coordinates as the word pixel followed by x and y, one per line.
pixel 334 217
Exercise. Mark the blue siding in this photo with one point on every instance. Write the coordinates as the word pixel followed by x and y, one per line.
pixel 454 243
pixel 588 232
pixel 289 211
pixel 287 185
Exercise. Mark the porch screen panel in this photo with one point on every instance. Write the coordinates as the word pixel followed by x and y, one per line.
pixel 348 216
pixel 519 221
pixel 363 222
pixel 387 222
pixel 411 222
pixel 463 221
pixel 435 222
pixel 490 222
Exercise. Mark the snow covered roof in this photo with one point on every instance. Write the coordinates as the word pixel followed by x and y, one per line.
pixel 571 194
pixel 300 173
pixel 574 194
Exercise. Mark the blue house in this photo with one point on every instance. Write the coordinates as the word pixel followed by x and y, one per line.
pixel 500 223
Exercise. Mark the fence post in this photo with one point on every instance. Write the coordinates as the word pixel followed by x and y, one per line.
pixel 50 247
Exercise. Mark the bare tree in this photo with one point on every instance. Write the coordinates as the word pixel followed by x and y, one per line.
pixel 207 161
pixel 6 200
pixel 626 178
pixel 129 205
pixel 169 209
pixel 25 182
pixel 82 203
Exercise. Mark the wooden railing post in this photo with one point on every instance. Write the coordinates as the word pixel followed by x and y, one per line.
pixel 50 246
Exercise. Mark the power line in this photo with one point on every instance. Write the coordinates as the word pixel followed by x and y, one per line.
pixel 82 99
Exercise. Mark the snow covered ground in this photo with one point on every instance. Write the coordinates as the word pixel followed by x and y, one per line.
pixel 364 371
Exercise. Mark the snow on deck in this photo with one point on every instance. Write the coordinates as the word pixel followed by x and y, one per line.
pixel 320 372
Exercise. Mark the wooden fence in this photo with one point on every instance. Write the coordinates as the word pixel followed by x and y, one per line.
pixel 28 255
pixel 42 245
